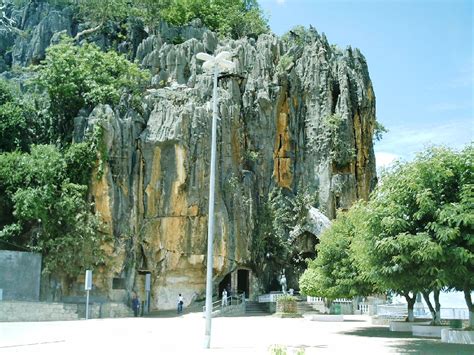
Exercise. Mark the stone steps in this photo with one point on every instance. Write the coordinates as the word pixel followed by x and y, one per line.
pixel 305 307
pixel 256 309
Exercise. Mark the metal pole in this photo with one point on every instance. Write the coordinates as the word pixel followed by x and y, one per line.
pixel 210 222
pixel 87 305
pixel 148 301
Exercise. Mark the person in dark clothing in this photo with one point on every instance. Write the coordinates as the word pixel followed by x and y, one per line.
pixel 135 304
pixel 180 303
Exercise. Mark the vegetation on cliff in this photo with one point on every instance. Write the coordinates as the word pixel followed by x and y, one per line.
pixel 152 152
pixel 274 247
pixel 82 77
pixel 234 18
pixel 48 207
pixel 45 203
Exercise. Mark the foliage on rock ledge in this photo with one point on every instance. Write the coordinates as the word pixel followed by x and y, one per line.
pixel 278 215
pixel 46 191
pixel 234 18
pixel 77 77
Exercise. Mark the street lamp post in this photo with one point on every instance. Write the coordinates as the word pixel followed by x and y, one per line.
pixel 216 64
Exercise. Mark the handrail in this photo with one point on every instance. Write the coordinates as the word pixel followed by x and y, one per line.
pixel 216 305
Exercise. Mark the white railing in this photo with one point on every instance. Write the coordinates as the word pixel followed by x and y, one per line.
pixel 401 310
pixel 364 308
pixel 392 310
pixel 232 301
pixel 454 313
pixel 310 299
pixel 264 298
pixel 342 300
pixel 270 297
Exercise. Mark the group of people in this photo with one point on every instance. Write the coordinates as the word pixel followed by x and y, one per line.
pixel 180 300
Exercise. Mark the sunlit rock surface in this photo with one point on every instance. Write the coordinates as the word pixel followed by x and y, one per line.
pixel 152 193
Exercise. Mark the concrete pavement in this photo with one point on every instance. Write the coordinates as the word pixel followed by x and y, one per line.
pixel 232 335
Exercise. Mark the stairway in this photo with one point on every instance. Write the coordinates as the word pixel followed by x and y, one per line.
pixel 304 307
pixel 255 309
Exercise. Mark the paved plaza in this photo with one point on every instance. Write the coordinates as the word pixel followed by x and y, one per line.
pixel 236 335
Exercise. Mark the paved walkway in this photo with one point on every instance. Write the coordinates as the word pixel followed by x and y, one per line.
pixel 240 335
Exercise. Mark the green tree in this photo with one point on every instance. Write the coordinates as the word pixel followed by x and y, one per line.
pixel 235 18
pixel 51 213
pixel 78 77
pixel 17 123
pixel 418 232
pixel 447 203
pixel 151 11
pixel 337 271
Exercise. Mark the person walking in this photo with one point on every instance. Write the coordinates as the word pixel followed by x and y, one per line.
pixel 135 304
pixel 180 304
pixel 224 298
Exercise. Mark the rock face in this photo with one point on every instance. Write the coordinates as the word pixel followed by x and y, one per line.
pixel 295 112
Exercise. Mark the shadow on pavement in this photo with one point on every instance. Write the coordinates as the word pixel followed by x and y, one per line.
pixel 425 346
pixel 413 345
pixel 164 314
pixel 378 332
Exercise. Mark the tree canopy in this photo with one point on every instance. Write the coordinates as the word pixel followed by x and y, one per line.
pixel 50 210
pixel 16 125
pixel 337 270
pixel 233 18
pixel 414 235
pixel 77 77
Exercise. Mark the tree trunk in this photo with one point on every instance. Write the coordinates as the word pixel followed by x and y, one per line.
pixel 327 304
pixel 437 319
pixel 467 297
pixel 88 31
pixel 426 297
pixel 411 304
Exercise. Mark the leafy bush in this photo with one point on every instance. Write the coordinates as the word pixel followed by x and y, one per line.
pixel 276 217
pixel 78 77
pixel 283 63
pixel 286 304
pixel 235 18
pixel 17 120
pixel 330 140
pixel 337 270
pixel 6 94
pixel 80 160
pixel 51 212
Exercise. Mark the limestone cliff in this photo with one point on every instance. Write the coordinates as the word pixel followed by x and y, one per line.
pixel 275 129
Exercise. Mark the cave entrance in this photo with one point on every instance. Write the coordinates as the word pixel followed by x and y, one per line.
pixel 243 282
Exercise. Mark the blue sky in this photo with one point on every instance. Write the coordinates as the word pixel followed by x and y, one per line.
pixel 420 57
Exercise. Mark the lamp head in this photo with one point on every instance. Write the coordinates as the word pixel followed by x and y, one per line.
pixel 221 60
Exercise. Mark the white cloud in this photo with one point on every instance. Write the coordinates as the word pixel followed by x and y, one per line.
pixel 412 137
pixel 280 1
pixel 385 159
